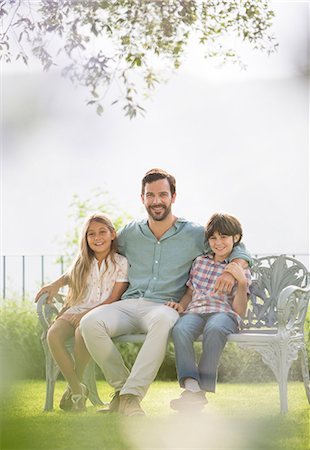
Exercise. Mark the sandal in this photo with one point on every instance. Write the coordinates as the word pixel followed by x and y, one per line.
pixel 79 400
pixel 66 401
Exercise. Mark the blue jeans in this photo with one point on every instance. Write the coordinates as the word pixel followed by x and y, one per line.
pixel 214 327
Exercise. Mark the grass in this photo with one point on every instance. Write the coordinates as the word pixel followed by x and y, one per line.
pixel 238 416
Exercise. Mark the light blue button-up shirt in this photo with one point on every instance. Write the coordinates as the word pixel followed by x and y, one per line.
pixel 159 269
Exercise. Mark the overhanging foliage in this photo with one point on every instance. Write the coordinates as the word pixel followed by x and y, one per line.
pixel 100 44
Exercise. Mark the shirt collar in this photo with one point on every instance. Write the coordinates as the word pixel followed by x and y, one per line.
pixel 210 255
pixel 176 224
pixel 95 260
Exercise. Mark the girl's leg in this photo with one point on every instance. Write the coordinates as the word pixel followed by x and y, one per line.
pixel 215 332
pixel 81 355
pixel 57 335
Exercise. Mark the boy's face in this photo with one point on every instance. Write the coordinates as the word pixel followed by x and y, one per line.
pixel 222 245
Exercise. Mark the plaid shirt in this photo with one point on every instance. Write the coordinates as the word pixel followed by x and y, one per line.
pixel 203 275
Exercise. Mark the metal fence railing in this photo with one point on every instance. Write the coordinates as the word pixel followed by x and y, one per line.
pixel 22 275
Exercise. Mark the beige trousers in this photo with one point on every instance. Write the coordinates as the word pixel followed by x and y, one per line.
pixel 128 317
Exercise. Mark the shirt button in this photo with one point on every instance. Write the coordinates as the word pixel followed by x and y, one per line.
pixel 154 278
pixel 158 243
pixel 156 262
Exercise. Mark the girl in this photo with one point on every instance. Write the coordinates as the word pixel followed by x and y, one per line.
pixel 98 276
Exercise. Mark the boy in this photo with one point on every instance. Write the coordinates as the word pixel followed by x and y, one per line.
pixel 214 315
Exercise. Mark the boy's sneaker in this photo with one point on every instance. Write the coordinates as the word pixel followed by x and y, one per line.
pixel 189 401
pixel 113 405
pixel 66 401
pixel 129 405
pixel 79 400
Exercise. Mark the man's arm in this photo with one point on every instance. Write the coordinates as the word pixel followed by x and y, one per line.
pixel 241 253
pixel 225 282
pixel 117 291
pixel 240 300
pixel 121 241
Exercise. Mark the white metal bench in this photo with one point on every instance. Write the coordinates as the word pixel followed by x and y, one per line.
pixel 274 325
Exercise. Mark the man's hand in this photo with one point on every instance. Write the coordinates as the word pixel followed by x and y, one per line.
pixel 174 305
pixel 224 283
pixel 236 271
pixel 232 272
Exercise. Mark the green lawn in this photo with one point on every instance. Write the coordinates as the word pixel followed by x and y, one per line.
pixel 238 416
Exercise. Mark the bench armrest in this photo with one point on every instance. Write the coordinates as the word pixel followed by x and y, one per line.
pixel 292 308
pixel 47 311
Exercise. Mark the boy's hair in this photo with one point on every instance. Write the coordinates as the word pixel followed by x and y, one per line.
pixel 223 224
pixel 158 174
pixel 78 273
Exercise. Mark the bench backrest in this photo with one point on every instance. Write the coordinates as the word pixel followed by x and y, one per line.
pixel 270 275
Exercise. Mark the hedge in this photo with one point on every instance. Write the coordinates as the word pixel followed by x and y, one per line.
pixel 22 355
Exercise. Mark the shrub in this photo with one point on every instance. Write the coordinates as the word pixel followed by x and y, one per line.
pixel 22 354
pixel 21 350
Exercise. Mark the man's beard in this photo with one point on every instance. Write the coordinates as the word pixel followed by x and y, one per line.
pixel 159 217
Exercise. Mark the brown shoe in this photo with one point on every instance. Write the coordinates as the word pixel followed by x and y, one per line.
pixel 130 405
pixel 113 406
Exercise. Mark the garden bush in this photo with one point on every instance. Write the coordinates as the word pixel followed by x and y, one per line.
pixel 22 355
pixel 21 351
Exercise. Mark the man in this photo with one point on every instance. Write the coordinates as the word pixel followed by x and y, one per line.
pixel 160 251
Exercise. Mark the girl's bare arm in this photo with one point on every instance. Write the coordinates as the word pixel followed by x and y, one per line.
pixel 117 291
pixel 52 288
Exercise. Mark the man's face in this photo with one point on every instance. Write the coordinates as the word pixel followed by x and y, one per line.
pixel 157 199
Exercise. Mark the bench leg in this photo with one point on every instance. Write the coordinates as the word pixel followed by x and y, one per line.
pixel 89 379
pixel 305 370
pixel 287 356
pixel 52 372
pixel 282 376
pixel 289 353
pixel 49 399
pixel 279 357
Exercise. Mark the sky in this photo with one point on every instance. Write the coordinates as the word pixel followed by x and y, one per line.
pixel 236 142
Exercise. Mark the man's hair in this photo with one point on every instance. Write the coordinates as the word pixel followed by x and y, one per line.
pixel 223 224
pixel 158 174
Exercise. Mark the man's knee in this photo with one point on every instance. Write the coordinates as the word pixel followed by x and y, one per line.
pixel 170 317
pixel 88 325
pixel 165 317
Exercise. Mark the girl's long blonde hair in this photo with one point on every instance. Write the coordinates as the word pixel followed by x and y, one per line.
pixel 80 268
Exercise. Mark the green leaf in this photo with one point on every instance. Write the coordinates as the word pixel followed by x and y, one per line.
pixel 99 110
